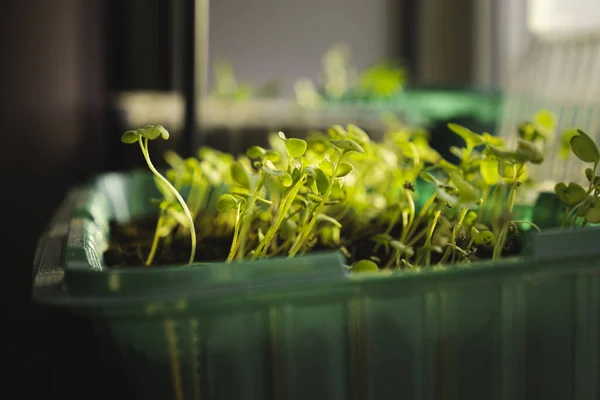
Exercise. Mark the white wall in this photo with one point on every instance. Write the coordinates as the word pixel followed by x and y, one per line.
pixel 285 39
pixel 562 17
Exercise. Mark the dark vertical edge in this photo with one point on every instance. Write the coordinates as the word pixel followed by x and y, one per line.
pixel 407 27
pixel 495 42
pixel 469 37
pixel 114 49
pixel 189 78
pixel 176 12
pixel 93 94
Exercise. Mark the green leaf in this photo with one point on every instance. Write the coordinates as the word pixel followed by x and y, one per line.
pixel 458 152
pixel 296 174
pixel 286 180
pixel 593 212
pixel 470 218
pixel 327 167
pixel 502 154
pixel 337 191
pixel 489 171
pixel 192 164
pixel 485 238
pixel 130 137
pixel 381 238
pixel 305 161
pixel 295 147
pixel 447 166
pixel 239 174
pixel 323 218
pixel 256 152
pixel 288 229
pixel 437 249
pixel 166 192
pixel 584 147
pixel 428 177
pixel 589 174
pixel 172 175
pixel 493 140
pixel 173 159
pixel 471 138
pixel 344 169
pixel 529 151
pixel 272 156
pixel 570 195
pixel 364 266
pixel 358 134
pixel 337 132
pixel 321 180
pixel 179 215
pixel 154 132
pixel 545 119
pixel 226 202
pixel 401 248
pixel 347 145
pixel 565 142
pixel 466 191
pixel 270 169
pixel 447 197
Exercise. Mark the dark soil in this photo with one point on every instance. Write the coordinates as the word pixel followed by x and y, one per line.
pixel 131 242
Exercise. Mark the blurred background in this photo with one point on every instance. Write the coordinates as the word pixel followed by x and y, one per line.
pixel 75 74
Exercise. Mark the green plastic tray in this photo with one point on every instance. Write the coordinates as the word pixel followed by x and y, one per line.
pixel 522 328
pixel 422 106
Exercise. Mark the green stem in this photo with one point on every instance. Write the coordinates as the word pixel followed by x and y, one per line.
pixel 436 217
pixel 411 216
pixel 415 238
pixel 286 204
pixel 421 215
pixel 574 221
pixel 236 230
pixel 155 240
pixel 592 186
pixel 308 228
pixel 247 217
pixel 501 239
pixel 145 152
pixel 393 259
pixel 537 228
pixel 451 249
pixel 570 213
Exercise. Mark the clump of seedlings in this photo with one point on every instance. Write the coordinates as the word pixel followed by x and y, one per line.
pixel 340 79
pixel 385 205
pixel 582 204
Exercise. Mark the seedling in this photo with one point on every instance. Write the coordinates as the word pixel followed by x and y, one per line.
pixel 142 136
pixel 382 80
pixel 385 205
pixel 581 204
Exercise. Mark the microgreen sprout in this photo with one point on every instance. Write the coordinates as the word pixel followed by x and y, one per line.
pixel 582 204
pixel 142 136
pixel 385 205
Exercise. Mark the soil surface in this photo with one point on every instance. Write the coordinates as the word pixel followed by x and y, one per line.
pixel 130 244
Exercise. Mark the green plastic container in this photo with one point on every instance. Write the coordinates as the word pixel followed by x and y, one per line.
pixel 522 328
